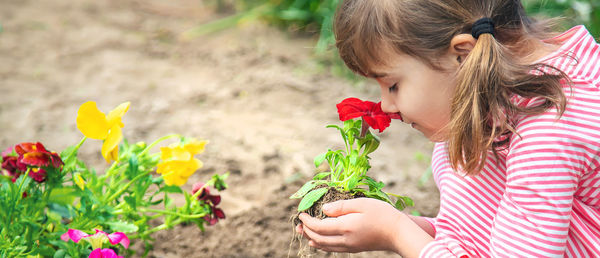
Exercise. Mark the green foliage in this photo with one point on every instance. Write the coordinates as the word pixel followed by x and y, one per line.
pixel 125 198
pixel 348 170
pixel 585 12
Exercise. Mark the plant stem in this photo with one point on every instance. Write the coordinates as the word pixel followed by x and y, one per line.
pixel 124 188
pixel 156 142
pixel 165 212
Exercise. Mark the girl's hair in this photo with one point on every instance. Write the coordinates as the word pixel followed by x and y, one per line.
pixel 488 78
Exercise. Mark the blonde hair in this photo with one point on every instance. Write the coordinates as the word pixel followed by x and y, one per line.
pixel 492 73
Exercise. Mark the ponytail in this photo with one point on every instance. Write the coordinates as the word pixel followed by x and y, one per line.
pixel 482 108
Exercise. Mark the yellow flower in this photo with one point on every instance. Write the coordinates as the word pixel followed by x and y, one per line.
pixel 178 162
pixel 94 124
pixel 79 180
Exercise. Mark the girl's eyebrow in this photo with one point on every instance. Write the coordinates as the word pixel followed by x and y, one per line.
pixel 376 75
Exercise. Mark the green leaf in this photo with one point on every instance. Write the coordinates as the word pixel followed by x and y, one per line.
pixel 130 200
pixel 304 189
pixel 373 185
pixel 319 159
pixel 219 181
pixel 122 226
pixel 171 189
pixel 64 196
pixel 168 201
pixel 63 210
pixel 321 175
pixel 370 144
pixel 132 169
pixel 402 202
pixel 60 253
pixel 352 182
pixel 311 197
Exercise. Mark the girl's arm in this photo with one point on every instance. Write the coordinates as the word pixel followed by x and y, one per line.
pixel 366 224
pixel 426 224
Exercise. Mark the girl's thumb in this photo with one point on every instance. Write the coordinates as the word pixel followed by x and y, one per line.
pixel 339 208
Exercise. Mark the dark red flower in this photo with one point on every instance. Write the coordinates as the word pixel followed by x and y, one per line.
pixel 215 215
pixel 36 155
pixel 212 201
pixel 205 195
pixel 38 174
pixel 11 166
pixel 370 112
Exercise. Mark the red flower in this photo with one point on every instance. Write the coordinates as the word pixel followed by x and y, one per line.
pixel 29 154
pixel 38 174
pixel 212 201
pixel 370 112
pixel 11 166
pixel 36 155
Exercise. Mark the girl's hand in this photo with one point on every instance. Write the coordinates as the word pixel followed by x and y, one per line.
pixel 356 225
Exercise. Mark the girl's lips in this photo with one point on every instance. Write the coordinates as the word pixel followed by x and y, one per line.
pixel 396 116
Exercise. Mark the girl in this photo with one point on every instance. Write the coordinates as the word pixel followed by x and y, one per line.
pixel 516 120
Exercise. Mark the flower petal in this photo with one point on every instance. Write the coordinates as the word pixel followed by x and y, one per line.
pixel 92 122
pixel 79 180
pixel 179 153
pixel 119 237
pixel 76 235
pixel 36 159
pixel 166 153
pixel 111 143
pixel 351 108
pixel 174 178
pixel 215 199
pixel 97 253
pixel 56 160
pixel 38 174
pixel 195 146
pixel 114 116
pixel 219 213
pixel 7 152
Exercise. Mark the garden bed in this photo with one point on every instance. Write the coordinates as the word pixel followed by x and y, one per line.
pixel 252 91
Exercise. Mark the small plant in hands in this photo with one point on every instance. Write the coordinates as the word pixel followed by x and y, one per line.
pixel 54 205
pixel 348 177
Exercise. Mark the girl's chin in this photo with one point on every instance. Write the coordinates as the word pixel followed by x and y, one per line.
pixel 432 136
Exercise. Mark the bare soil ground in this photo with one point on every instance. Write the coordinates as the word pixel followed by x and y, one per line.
pixel 255 92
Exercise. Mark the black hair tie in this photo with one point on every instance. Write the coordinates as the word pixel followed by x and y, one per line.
pixel 481 26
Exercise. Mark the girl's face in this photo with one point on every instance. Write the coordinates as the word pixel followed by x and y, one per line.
pixel 421 94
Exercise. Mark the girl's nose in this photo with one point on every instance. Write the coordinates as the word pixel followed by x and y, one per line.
pixel 387 105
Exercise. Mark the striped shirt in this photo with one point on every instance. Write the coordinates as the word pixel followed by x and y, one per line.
pixel 541 196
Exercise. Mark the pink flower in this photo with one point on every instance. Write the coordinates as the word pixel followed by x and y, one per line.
pixel 96 239
pixel 104 253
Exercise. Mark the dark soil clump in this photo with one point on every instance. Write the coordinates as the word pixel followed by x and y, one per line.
pixel 332 195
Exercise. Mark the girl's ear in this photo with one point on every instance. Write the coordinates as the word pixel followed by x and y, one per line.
pixel 461 45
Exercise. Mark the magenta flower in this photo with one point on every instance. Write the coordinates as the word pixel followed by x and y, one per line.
pixel 97 239
pixel 104 253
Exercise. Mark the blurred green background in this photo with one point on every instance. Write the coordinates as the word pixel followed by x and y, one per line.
pixel 315 16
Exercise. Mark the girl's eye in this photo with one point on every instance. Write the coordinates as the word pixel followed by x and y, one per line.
pixel 393 88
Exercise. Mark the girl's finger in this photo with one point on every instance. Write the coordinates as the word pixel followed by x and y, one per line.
pixel 337 249
pixel 327 226
pixel 299 229
pixel 323 241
